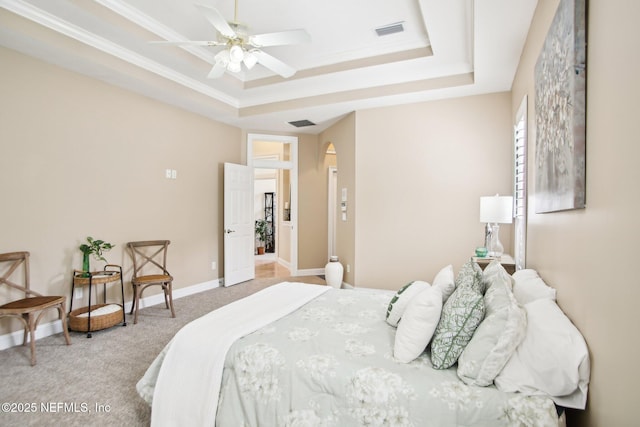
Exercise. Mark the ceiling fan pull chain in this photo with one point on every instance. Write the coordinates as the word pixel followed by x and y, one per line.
pixel 235 12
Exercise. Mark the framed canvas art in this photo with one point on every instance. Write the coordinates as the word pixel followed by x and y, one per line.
pixel 560 109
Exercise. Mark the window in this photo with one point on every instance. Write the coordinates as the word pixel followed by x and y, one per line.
pixel 520 185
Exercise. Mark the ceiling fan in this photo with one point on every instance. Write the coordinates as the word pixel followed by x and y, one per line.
pixel 243 48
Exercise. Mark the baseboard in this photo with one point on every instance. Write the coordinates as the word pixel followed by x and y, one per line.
pixel 14 339
pixel 286 264
pixel 55 327
pixel 311 272
pixel 177 294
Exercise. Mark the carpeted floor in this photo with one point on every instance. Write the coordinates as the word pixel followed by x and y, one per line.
pixel 92 382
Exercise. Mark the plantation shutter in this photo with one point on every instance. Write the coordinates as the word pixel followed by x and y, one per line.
pixel 520 182
pixel 520 186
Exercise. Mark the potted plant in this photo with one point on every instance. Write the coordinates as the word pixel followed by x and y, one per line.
pixel 261 234
pixel 95 248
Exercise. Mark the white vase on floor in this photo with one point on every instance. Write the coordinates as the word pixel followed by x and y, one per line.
pixel 333 272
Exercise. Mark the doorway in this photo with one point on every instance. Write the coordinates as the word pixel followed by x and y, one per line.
pixel 267 192
pixel 275 162
pixel 331 165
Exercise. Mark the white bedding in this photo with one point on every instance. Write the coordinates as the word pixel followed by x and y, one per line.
pixel 198 351
pixel 207 373
pixel 305 356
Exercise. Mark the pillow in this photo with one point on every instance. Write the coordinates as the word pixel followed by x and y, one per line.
pixel 445 281
pixel 530 287
pixel 470 275
pixel 461 315
pixel 101 311
pixel 401 299
pixel 417 325
pixel 552 360
pixel 498 335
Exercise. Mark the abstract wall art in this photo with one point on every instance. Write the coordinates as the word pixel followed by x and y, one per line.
pixel 560 109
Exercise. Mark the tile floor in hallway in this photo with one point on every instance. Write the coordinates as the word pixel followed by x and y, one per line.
pixel 267 266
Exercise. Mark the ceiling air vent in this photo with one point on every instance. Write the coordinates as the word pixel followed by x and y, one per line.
pixel 398 27
pixel 302 123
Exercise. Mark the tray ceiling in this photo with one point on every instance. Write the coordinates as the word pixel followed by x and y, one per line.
pixel 447 49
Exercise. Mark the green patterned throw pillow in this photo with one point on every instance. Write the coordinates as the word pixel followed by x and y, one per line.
pixel 461 315
pixel 401 299
pixel 470 275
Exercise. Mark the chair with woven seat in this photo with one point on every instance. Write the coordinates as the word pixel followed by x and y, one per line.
pixel 150 269
pixel 30 308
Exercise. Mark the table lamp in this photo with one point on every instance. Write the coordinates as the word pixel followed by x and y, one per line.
pixel 495 210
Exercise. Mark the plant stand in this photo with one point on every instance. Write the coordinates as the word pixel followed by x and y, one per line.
pixel 79 322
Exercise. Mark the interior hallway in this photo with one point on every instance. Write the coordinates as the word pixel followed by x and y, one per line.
pixel 267 267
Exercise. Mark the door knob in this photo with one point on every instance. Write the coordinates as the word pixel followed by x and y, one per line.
pixel 228 230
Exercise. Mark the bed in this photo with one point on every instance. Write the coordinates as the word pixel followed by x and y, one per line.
pixel 297 354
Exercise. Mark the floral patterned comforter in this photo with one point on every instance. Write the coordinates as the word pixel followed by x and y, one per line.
pixel 330 363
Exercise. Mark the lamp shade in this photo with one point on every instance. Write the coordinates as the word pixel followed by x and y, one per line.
pixel 496 209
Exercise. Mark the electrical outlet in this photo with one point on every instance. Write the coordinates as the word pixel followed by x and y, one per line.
pixel 167 173
pixel 348 268
pixel 77 293
pixel 213 265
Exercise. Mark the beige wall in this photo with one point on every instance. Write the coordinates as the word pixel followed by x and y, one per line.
pixel 343 137
pixel 82 158
pixel 589 254
pixel 312 203
pixel 421 170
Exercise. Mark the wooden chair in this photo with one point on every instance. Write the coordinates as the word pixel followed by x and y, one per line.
pixel 149 269
pixel 32 304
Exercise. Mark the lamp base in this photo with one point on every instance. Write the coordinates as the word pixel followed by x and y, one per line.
pixel 495 247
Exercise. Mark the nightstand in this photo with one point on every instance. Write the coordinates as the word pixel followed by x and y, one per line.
pixel 507 262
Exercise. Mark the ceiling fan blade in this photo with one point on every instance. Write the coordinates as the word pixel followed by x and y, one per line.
pixel 280 38
pixel 217 71
pixel 274 64
pixel 218 21
pixel 189 43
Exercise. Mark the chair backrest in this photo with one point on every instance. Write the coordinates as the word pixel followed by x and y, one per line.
pixel 10 263
pixel 151 254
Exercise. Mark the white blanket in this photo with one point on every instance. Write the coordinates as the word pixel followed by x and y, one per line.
pixel 185 378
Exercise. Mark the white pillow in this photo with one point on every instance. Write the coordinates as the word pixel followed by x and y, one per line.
pixel 106 309
pixel 530 287
pixel 552 360
pixel 417 325
pixel 445 281
pixel 497 337
pixel 401 299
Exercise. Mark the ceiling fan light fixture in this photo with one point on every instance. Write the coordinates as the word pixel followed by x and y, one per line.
pixel 250 60
pixel 234 67
pixel 236 54
pixel 240 47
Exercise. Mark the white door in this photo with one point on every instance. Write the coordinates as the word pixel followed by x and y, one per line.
pixel 238 224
